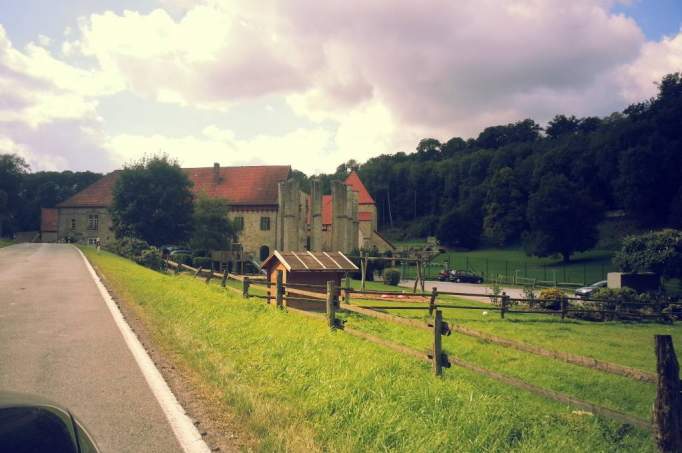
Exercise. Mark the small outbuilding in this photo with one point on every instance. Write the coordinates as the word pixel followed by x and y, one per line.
pixel 309 271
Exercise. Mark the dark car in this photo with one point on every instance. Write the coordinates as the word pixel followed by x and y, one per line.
pixel 588 291
pixel 32 424
pixel 465 277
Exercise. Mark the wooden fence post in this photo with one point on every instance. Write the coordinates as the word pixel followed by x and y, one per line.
pixel 209 277
pixel 437 344
pixel 177 269
pixel 331 308
pixel 503 307
pixel 198 271
pixel 280 290
pixel 245 287
pixel 223 282
pixel 432 301
pixel 347 292
pixel 668 405
pixel 269 286
pixel 563 307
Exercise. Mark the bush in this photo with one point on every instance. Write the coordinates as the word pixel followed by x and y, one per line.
pixel 550 298
pixel 201 261
pixel 151 258
pixel 128 247
pixel 182 258
pixel 391 276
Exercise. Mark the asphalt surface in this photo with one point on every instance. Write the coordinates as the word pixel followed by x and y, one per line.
pixel 476 291
pixel 59 340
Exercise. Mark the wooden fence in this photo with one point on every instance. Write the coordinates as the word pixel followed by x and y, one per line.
pixel 666 423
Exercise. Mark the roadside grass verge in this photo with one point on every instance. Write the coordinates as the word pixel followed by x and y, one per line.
pixel 300 387
pixel 5 242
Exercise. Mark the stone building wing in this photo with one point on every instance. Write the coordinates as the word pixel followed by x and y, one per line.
pixel 253 186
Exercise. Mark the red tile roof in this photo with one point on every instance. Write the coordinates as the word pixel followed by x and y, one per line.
pixel 239 185
pixel 354 181
pixel 49 219
pixel 96 195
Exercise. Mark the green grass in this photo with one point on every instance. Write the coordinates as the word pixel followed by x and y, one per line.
pixel 584 268
pixel 5 242
pixel 297 386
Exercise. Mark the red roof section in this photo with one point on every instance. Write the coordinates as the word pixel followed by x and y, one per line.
pixel 98 194
pixel 327 210
pixel 49 219
pixel 255 185
pixel 240 185
pixel 354 181
pixel 364 216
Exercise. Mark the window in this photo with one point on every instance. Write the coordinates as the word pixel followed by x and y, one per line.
pixel 93 222
pixel 265 223
pixel 239 223
pixel 264 252
pixel 73 224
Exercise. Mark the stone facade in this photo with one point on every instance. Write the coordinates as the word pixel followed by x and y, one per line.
pixel 258 236
pixel 85 225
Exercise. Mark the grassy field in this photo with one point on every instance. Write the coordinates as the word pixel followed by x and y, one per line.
pixel 584 268
pixel 298 386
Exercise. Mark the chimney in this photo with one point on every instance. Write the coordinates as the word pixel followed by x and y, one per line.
pixel 216 172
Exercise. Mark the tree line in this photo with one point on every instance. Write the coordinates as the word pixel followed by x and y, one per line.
pixel 547 188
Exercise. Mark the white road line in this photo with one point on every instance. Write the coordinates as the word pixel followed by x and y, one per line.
pixel 187 434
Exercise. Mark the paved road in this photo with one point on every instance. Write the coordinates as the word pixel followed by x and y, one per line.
pixel 59 340
pixel 471 288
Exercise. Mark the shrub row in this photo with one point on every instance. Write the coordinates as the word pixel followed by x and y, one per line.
pixel 137 250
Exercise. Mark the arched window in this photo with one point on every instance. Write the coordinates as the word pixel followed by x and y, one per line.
pixel 264 252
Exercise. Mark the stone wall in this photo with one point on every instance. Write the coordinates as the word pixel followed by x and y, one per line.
pixel 252 237
pixel 74 225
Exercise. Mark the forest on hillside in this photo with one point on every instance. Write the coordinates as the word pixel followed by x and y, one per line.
pixel 522 182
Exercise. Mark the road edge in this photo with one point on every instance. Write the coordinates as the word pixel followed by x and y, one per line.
pixel 185 432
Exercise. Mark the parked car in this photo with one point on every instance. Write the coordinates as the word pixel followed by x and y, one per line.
pixel 587 291
pixel 30 424
pixel 459 277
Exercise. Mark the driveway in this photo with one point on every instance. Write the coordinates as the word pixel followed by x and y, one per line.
pixel 471 288
pixel 59 340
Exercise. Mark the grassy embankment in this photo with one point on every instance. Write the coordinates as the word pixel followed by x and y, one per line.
pixel 5 242
pixel 298 386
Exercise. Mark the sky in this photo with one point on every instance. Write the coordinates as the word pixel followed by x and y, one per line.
pixel 95 84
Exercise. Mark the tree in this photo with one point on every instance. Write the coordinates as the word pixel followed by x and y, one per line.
pixel 655 251
pixel 562 219
pixel 505 208
pixel 213 230
pixel 459 229
pixel 562 125
pixel 12 169
pixel 152 200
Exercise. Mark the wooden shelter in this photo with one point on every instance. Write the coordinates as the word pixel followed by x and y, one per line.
pixel 309 271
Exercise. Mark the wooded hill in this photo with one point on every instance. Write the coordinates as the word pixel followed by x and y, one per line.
pixel 522 181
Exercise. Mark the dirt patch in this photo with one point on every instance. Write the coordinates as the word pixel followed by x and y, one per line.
pixel 219 428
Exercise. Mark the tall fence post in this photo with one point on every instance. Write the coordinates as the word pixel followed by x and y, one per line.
pixel 432 301
pixel 563 307
pixel 437 343
pixel 223 282
pixel 245 287
pixel 668 405
pixel 280 290
pixel 504 302
pixel 331 304
pixel 209 277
